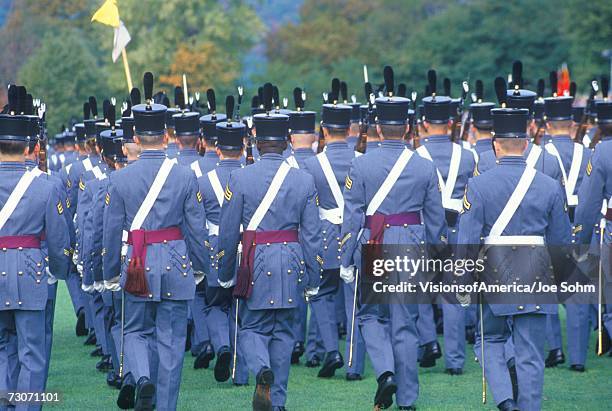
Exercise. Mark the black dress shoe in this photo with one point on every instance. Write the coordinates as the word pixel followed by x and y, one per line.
pixel 240 384
pixel 145 392
pixel 333 361
pixel 454 371
pixel 508 405
pixel 105 364
pixel 279 409
pixel 353 377
pixel 204 357
pixel 470 334
pixel 577 368
pixel 431 352
pixel 113 380
pixel 261 396
pixel 298 351
pixel 127 393
pixel 97 352
pixel 407 407
pixel 313 362
pixel 555 357
pixel 514 381
pixel 80 328
pixel 91 338
pixel 387 387
pixel 222 366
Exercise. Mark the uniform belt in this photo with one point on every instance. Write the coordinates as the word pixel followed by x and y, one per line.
pixel 148 237
pixel 333 215
pixel 451 217
pixel 378 222
pixel 515 240
pixel 609 214
pixel 20 241
pixel 250 239
pixel 571 211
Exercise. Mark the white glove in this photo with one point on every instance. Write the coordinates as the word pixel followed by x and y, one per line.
pixel 199 276
pixel 75 257
pixel 311 292
pixel 112 284
pixel 98 286
pixel 87 288
pixel 80 269
pixel 226 284
pixel 347 273
pixel 50 277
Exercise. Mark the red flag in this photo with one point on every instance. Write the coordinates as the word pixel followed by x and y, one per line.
pixel 563 84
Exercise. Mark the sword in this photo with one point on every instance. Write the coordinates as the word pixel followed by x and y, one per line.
pixel 350 361
pixel 600 296
pixel 122 334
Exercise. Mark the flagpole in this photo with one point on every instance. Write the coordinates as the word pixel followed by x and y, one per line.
pixel 126 67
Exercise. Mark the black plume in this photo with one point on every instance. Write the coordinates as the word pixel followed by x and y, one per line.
pixel 605 86
pixel 260 96
pixel 431 80
pixel 368 90
pixel 389 80
pixel 517 73
pixel 135 96
pixel 447 86
pixel 479 90
pixel 105 105
pixel 86 111
pixel 21 93
pixel 111 114
pixel 212 101
pixel 573 89
pixel 541 87
pixel 255 101
pixel 401 90
pixel 335 90
pixel 297 98
pixel 268 91
pixel 164 100
pixel 276 96
pixel 93 106
pixel 552 76
pixel 344 91
pixel 13 97
pixel 128 111
pixel 148 85
pixel 229 108
pixel 500 90
pixel 179 97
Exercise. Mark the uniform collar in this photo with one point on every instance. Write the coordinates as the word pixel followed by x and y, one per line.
pixel 272 157
pixel 210 154
pixel 392 144
pixel 337 145
pixel 559 137
pixel 352 139
pixel 371 144
pixel 152 154
pixel 606 138
pixel 512 161
pixel 12 165
pixel 438 138
pixel 229 163
pixel 30 163
pixel 188 152
pixel 303 152
pixel 485 142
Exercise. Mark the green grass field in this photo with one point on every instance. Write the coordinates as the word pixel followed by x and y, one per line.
pixel 73 374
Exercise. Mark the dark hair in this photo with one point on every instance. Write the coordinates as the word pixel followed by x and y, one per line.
pixel 150 140
pixel 337 132
pixel 189 140
pixel 483 127
pixel 393 131
pixel 274 147
pixel 12 147
pixel 230 153
pixel 606 129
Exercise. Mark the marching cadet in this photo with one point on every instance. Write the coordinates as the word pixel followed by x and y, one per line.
pixel 455 165
pixel 186 132
pixel 24 266
pixel 482 122
pixel 386 193
pixel 208 125
pixel 573 159
pixel 302 135
pixel 353 136
pixel 277 205
pixel 172 148
pixel 514 204
pixel 329 169
pixel 217 300
pixel 160 207
pixel 596 188
pixel 373 139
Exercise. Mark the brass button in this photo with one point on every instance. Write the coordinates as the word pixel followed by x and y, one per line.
pixel 271 302
pixel 387 226
pixel 268 244
pixel 520 307
pixel 169 294
pixel 252 282
pixel 339 257
pixel 37 281
pixel 405 225
pixel 3 272
pixel 325 247
pixel 20 248
pixel 38 264
pixel 165 241
pixel 269 273
pixel 3 248
pixel 290 301
pixel 284 243
pixel 184 257
pixel 299 280
pixel 150 295
pixel 7 303
pixel 324 231
pixel 337 238
pixel 302 262
pixel 168 268
pixel 19 302
pixel 538 307
pixel 20 273
pixel 184 265
pixel 289 271
pixel 184 274
pixel 38 272
pixel 148 268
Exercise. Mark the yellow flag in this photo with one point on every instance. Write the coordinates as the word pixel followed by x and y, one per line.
pixel 107 14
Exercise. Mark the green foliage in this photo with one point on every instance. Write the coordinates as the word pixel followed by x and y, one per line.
pixel 63 73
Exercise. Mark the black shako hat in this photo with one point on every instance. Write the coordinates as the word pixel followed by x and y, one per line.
pixel 230 134
pixel 510 122
pixel 186 123
pixel 300 121
pixel 558 108
pixel 436 109
pixel 149 118
pixel 270 126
